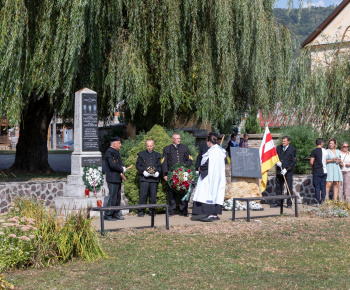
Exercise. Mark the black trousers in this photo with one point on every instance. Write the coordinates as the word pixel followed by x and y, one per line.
pixel 146 187
pixel 280 185
pixel 114 197
pixel 172 195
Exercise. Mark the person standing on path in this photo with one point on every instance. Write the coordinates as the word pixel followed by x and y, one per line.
pixel 149 165
pixel 318 162
pixel 210 190
pixel 344 186
pixel 173 154
pixel 288 158
pixel 334 163
pixel 114 167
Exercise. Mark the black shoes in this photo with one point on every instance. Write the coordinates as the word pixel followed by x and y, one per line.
pixel 289 206
pixel 210 219
pixel 118 217
pixel 109 218
pixel 140 214
pixel 184 213
pixel 275 205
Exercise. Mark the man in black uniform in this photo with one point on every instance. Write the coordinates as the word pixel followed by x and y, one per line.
pixel 287 156
pixel 202 150
pixel 114 167
pixel 149 165
pixel 172 154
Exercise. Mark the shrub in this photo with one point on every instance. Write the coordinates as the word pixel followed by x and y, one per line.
pixel 32 235
pixel 132 185
pixel 332 208
pixel 5 284
pixel 252 125
pixel 341 137
pixel 303 139
pixel 130 143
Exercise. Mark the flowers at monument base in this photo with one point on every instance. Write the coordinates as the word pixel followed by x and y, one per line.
pixel 228 205
pixel 92 177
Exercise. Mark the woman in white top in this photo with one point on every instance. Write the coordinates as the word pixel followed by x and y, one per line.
pixel 344 187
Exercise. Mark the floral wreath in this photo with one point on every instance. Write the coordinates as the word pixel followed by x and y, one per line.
pixel 182 179
pixel 93 177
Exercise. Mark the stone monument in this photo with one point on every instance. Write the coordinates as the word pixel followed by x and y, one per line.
pixel 86 152
pixel 243 175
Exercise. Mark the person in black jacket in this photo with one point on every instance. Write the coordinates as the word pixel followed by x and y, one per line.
pixel 149 165
pixel 202 150
pixel 114 167
pixel 173 154
pixel 288 158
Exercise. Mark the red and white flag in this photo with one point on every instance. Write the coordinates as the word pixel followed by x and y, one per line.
pixel 268 156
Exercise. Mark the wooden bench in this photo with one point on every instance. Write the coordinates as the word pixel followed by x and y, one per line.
pixel 266 198
pixel 130 207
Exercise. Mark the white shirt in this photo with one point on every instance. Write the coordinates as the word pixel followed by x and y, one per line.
pixel 345 158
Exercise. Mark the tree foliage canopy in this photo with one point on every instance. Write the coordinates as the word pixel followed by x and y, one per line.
pixel 160 57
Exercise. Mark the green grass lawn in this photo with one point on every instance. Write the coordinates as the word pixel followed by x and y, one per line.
pixel 274 253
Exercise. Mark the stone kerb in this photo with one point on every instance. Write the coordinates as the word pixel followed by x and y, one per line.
pixel 45 190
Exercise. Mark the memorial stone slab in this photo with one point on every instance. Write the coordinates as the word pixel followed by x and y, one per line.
pixel 245 162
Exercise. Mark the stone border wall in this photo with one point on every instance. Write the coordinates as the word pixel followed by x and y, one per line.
pixel 302 186
pixel 45 190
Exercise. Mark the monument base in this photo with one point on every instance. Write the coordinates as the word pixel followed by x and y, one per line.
pixel 241 186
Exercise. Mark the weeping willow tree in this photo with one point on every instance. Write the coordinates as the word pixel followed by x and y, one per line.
pixel 320 89
pixel 159 58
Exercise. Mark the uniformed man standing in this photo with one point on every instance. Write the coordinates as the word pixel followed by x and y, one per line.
pixel 149 165
pixel 114 167
pixel 172 154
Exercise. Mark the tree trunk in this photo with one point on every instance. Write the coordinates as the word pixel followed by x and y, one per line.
pixel 31 150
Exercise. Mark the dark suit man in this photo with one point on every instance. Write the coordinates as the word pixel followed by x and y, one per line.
pixel 172 154
pixel 288 158
pixel 114 166
pixel 149 165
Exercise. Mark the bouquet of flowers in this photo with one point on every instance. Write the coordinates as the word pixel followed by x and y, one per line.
pixel 93 177
pixel 182 179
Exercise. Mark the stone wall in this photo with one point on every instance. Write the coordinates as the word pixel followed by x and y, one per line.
pixel 302 186
pixel 45 190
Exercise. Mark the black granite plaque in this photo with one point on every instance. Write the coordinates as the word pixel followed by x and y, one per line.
pixel 245 162
pixel 86 161
pixel 89 122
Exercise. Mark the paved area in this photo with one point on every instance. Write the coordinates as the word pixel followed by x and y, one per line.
pixel 133 221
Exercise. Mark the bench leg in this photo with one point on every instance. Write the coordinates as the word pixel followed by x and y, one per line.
pixel 248 211
pixel 152 217
pixel 167 217
pixel 281 209
pixel 296 206
pixel 233 209
pixel 102 223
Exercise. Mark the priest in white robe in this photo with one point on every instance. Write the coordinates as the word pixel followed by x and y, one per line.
pixel 210 190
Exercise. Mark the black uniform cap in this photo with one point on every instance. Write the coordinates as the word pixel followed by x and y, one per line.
pixel 116 138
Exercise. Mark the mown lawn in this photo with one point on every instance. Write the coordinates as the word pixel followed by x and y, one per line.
pixel 283 252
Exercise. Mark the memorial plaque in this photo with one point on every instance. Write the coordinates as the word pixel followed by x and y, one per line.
pixel 86 161
pixel 245 162
pixel 89 122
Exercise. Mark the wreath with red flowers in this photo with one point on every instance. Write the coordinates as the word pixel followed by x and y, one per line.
pixel 182 178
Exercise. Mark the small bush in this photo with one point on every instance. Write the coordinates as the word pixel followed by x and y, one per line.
pixel 252 125
pixel 5 284
pixel 332 209
pixel 303 139
pixel 31 235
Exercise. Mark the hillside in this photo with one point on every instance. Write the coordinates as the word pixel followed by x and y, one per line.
pixel 301 29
